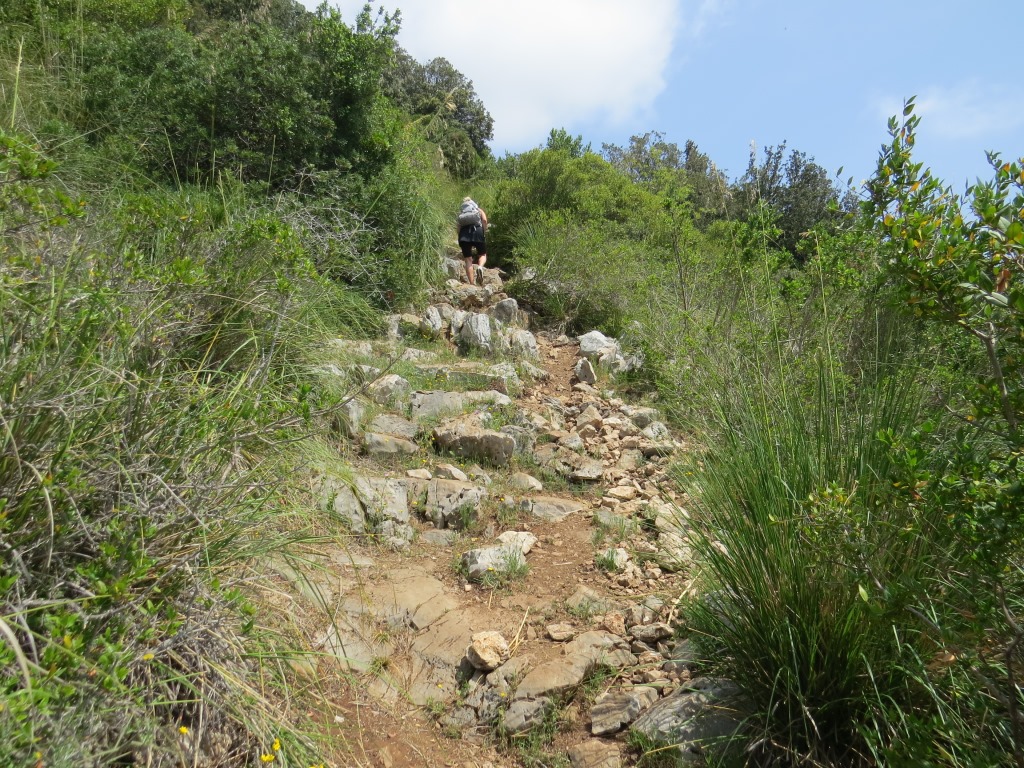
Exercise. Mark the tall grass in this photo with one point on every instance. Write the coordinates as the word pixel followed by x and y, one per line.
pixel 152 377
pixel 827 583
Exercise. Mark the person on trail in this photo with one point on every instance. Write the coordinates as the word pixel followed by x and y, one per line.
pixel 472 221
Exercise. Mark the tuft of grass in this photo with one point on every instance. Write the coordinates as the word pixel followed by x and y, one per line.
pixel 810 567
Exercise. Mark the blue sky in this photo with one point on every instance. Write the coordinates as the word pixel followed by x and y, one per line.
pixel 823 76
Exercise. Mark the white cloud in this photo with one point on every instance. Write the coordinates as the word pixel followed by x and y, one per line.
pixel 542 64
pixel 968 110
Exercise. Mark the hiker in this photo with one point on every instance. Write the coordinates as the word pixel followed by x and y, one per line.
pixel 472 223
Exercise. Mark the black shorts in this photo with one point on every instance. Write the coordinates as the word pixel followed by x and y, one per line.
pixel 467 250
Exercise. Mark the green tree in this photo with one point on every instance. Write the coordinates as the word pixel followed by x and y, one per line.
pixel 796 187
pixel 445 103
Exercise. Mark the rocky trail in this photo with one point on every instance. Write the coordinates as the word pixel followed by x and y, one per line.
pixel 508 594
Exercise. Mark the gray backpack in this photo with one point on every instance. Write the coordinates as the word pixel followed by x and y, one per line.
pixel 469 214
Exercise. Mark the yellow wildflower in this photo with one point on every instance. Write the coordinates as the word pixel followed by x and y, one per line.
pixel 148 657
pixel 276 746
pixel 183 729
pixel 267 758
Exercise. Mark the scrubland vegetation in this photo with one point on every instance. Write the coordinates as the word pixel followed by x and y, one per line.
pixel 194 195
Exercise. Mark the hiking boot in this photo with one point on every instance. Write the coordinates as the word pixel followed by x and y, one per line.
pixel 479 274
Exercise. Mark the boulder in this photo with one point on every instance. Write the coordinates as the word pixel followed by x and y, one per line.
pixel 383 498
pixel 337 496
pixel 475 333
pixel 616 557
pixel 555 677
pixel 614 710
pixel 521 540
pixel 523 344
pixel 698 717
pixel 452 504
pixel 523 715
pixel 525 438
pixel 471 375
pixel 586 600
pixel 506 311
pixel 561 632
pixel 590 417
pixel 568 463
pixel 465 437
pixel 595 344
pixel 451 472
pixel 602 648
pixel 651 634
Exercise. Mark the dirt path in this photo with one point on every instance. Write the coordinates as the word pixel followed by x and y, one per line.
pixel 581 607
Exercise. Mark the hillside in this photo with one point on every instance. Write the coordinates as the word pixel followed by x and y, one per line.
pixel 707 471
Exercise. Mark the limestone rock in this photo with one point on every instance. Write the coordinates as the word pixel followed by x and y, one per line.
pixel 696 718
pixel 561 632
pixel 391 388
pixel 586 600
pixel 656 430
pixel 337 496
pixel 452 504
pixel 568 463
pixel 525 438
pixel 589 417
pixel 615 623
pixel 389 424
pixel 651 633
pixel 523 715
pixel 435 404
pixel 451 472
pixel 479 562
pixel 507 311
pixel 522 540
pixel 595 344
pixel 349 418
pixel 475 333
pixel 438 538
pixel 595 754
pixel 388 445
pixel 643 417
pixel 488 651
pixel 523 344
pixel 383 498
pixel 432 324
pixel 552 509
pixel 603 648
pixel 464 437
pixel 617 709
pixel 616 557
pixel 524 482
pixel 555 677
pixel 585 371
pixel 472 375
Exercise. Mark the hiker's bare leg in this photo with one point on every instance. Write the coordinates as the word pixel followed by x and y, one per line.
pixel 469 271
pixel 483 260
